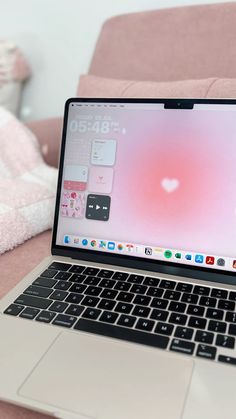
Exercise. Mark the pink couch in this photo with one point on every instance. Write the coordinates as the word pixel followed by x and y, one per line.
pixel 173 44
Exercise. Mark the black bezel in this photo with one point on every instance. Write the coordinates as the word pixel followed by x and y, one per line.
pixel 171 268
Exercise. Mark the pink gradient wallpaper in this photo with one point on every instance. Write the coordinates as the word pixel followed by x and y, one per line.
pixel 170 176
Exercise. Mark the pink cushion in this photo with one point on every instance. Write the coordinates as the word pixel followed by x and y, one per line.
pixel 92 86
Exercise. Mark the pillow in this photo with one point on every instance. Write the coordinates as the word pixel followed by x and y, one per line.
pixel 27 184
pixel 93 86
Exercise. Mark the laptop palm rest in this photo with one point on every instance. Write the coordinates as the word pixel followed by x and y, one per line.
pixel 84 374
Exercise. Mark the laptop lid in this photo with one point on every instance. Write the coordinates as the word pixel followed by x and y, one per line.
pixel 150 184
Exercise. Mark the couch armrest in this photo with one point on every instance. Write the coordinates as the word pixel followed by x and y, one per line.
pixel 48 133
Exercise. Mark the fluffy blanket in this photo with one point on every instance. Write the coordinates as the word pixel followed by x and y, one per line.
pixel 27 184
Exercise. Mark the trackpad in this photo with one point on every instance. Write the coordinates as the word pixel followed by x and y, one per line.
pixel 101 378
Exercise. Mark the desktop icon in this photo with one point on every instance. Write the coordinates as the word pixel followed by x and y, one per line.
pixel 66 239
pixel 199 258
pixel 188 257
pixel 84 242
pixel 111 245
pixel 167 254
pixel 210 260
pixel 220 262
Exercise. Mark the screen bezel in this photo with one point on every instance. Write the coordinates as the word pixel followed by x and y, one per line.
pixel 128 261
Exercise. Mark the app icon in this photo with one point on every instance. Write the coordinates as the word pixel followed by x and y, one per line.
pixel 129 247
pixel 178 255
pixel 210 260
pixel 158 250
pixel 188 257
pixel 148 251
pixel 199 258
pixel 120 246
pixel 167 254
pixel 98 207
pixel 234 264
pixel 93 243
pixel 220 262
pixel 76 240
pixel 111 245
pixel 102 244
pixel 66 239
pixel 84 242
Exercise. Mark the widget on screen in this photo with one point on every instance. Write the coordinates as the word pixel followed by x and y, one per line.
pixel 98 207
pixel 103 152
pixel 73 204
pixel 75 177
pixel 100 179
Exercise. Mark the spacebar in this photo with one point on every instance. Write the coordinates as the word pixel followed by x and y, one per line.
pixel 122 333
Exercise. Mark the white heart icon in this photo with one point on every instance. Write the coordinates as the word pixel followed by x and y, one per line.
pixel 169 185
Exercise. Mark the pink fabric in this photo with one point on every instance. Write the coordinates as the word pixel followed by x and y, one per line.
pixel 92 86
pixel 27 185
pixel 179 43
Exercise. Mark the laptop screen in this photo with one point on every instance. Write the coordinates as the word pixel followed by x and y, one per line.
pixel 148 182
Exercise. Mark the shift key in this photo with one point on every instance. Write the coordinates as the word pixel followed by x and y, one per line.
pixel 37 302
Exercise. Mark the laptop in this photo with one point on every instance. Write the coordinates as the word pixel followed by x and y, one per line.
pixel 132 316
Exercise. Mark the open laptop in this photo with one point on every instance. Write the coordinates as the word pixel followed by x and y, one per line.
pixel 133 314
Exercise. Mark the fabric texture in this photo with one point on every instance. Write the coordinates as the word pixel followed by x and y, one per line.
pixel 27 185
pixel 93 86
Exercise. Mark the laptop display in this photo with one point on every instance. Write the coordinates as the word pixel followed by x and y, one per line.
pixel 149 182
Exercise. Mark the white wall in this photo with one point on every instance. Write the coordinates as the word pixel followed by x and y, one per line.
pixel 58 38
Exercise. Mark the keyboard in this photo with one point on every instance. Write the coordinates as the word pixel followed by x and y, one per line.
pixel 177 316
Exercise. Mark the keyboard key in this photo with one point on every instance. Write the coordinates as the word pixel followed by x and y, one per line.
pixel 38 291
pixel 232 329
pixel 205 351
pixel 207 301
pixel 230 317
pixel 190 298
pixel 74 310
pixel 159 303
pixel 170 285
pixel 106 304
pixel 227 359
pixel 142 300
pixel 213 313
pixel 225 341
pixel 127 321
pixel 37 302
pixel 107 293
pixel 58 306
pixel 74 298
pixel 91 313
pixel 107 283
pixel 59 266
pixel 160 315
pixel 123 307
pixel 144 324
pixel 219 293
pixel 155 292
pixel 204 337
pixel 226 305
pixel 78 288
pixel 63 275
pixel 77 269
pixel 164 328
pixel 182 346
pixel 138 289
pixel 104 273
pixel 63 285
pixel 125 296
pixel 120 276
pixel 13 309
pixel 135 279
pixel 122 333
pixel 45 316
pixel 216 326
pixel 122 286
pixel 153 282
pixel 79 278
pixel 179 307
pixel 93 291
pixel 177 318
pixel 232 295
pixel 90 301
pixel 172 295
pixel 45 282
pixel 49 273
pixel 200 290
pixel 108 317
pixel 141 311
pixel 195 310
pixel 197 322
pixel 59 295
pixel 64 320
pixel 183 332
pixel 184 287
pixel 91 271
